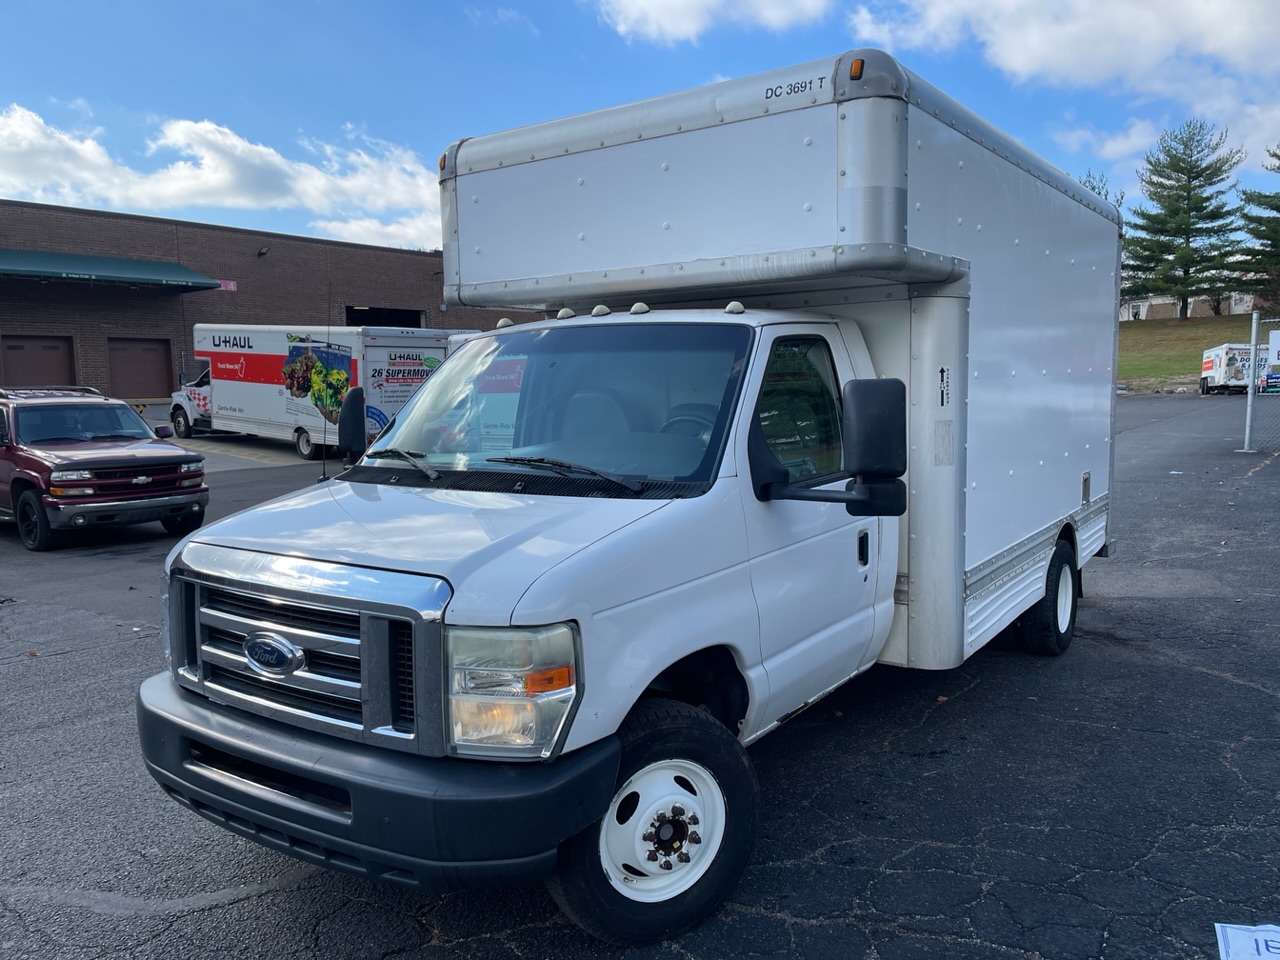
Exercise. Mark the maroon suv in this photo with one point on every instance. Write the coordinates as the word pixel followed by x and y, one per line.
pixel 71 459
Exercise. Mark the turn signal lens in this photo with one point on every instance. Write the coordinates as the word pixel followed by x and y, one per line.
pixel 855 69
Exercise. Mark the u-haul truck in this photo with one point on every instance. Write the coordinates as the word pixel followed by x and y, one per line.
pixel 287 382
pixel 793 419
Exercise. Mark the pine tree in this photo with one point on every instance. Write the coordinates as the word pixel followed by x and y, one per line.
pixel 1261 263
pixel 1183 245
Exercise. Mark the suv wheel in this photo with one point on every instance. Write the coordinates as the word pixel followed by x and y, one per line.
pixel 33 522
pixel 181 526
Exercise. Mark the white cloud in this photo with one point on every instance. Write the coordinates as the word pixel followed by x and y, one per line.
pixel 1212 60
pixel 500 17
pixel 368 189
pixel 684 21
pixel 1137 137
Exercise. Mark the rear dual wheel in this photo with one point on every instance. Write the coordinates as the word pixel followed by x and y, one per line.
pixel 676 836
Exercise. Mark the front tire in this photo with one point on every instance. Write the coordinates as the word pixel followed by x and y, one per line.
pixel 181 424
pixel 676 836
pixel 306 449
pixel 33 522
pixel 181 526
pixel 1049 627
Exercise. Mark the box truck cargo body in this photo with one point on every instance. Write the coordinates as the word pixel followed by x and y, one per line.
pixel 286 382
pixel 830 384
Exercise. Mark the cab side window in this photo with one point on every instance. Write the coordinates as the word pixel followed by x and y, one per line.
pixel 4 426
pixel 799 408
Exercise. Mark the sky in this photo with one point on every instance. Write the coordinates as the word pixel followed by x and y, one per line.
pixel 326 118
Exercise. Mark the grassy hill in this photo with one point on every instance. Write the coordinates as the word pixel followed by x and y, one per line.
pixel 1166 354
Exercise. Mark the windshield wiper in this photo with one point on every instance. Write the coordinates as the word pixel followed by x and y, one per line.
pixel 405 455
pixel 564 466
pixel 118 436
pixel 47 439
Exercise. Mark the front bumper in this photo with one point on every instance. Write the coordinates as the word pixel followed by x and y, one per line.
pixel 63 516
pixel 436 824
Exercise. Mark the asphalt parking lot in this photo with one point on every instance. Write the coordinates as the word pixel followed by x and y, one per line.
pixel 1112 803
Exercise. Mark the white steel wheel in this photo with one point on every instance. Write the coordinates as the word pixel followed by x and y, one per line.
pixel 663 830
pixel 686 786
pixel 1066 603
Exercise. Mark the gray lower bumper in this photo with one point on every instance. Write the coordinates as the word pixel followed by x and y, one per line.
pixel 63 516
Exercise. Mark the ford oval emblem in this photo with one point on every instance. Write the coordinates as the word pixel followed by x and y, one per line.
pixel 272 655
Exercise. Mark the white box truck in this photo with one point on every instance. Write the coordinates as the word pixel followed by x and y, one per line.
pixel 1225 368
pixel 831 385
pixel 287 382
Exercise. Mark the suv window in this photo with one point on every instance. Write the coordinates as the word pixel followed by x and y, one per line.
pixel 4 425
pixel 799 410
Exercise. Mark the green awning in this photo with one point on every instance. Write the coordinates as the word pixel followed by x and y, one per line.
pixel 46 265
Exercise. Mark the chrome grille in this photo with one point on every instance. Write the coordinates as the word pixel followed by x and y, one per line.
pixel 365 672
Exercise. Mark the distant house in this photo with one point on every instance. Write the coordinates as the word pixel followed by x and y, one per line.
pixel 1166 308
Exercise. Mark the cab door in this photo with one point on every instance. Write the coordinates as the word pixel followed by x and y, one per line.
pixel 813 567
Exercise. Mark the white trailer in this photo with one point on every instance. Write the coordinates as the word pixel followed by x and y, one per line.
pixel 286 382
pixel 1225 368
pixel 832 384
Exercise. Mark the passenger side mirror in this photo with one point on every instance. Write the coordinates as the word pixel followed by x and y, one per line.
pixel 875 447
pixel 352 436
pixel 163 431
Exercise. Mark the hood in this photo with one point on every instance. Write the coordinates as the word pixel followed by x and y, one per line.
pixel 111 453
pixel 491 546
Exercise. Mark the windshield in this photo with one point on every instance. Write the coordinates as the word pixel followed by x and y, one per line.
pixel 72 422
pixel 621 404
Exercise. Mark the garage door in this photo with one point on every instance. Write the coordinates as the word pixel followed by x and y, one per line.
pixel 138 369
pixel 36 361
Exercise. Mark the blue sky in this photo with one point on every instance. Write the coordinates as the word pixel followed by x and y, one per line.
pixel 326 117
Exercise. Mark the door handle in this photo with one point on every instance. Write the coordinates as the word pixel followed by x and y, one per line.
pixel 864 548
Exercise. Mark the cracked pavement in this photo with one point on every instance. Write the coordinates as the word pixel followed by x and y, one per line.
pixel 1112 803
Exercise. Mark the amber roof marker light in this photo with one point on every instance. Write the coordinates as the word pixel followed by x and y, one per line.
pixel 442 157
pixel 855 69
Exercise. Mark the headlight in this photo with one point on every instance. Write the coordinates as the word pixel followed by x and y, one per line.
pixel 62 476
pixel 192 467
pixel 511 689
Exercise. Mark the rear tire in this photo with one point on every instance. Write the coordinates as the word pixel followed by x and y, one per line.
pixel 1204 386
pixel 181 424
pixel 306 449
pixel 1049 627
pixel 33 522
pixel 676 836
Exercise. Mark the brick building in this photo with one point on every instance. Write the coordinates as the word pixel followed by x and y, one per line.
pixel 108 300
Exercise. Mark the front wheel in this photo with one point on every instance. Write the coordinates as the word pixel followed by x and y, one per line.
pixel 677 833
pixel 1049 626
pixel 33 522
pixel 181 526
pixel 181 424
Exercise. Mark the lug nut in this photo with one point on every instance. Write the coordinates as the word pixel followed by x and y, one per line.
pixel 682 857
pixel 649 836
pixel 677 810
pixel 693 820
pixel 651 855
pixel 665 865
pixel 694 838
pixel 661 818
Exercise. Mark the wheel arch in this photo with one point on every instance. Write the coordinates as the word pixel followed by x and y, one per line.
pixel 710 678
